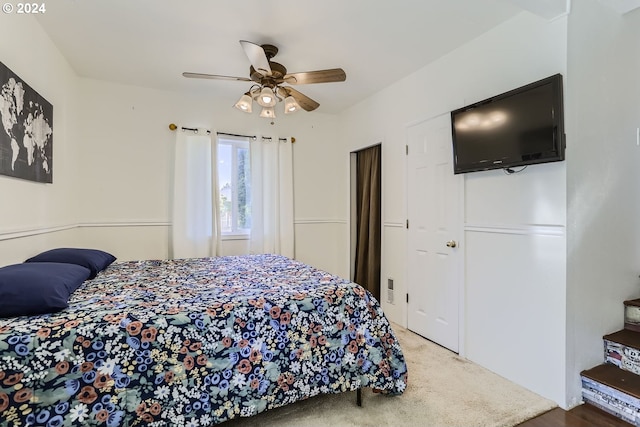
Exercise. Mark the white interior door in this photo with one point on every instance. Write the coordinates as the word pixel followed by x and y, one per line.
pixel 434 254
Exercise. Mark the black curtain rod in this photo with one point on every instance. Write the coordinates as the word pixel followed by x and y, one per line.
pixel 195 130
pixel 253 137
pixel 235 134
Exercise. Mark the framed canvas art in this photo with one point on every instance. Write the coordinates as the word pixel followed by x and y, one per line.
pixel 26 134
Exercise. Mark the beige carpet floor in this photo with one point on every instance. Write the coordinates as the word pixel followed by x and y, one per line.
pixel 444 391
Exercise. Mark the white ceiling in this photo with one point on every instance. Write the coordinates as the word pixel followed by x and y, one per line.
pixel 151 42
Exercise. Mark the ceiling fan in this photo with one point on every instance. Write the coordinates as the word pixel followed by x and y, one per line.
pixel 269 78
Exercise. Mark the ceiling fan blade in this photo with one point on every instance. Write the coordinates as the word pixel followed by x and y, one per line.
pixel 320 76
pixel 304 101
pixel 214 77
pixel 257 57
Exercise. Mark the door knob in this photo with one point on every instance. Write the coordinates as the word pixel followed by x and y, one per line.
pixel 451 244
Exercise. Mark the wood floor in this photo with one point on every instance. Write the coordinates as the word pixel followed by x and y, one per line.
pixel 580 416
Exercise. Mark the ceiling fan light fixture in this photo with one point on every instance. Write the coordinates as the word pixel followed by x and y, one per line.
pixel 290 105
pixel 266 77
pixel 268 112
pixel 245 103
pixel 267 98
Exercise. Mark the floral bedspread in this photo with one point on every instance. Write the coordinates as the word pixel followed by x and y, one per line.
pixel 195 342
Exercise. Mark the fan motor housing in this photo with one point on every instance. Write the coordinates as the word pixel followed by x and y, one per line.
pixel 278 71
pixel 269 50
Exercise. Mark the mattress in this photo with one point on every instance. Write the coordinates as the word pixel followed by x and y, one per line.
pixel 195 342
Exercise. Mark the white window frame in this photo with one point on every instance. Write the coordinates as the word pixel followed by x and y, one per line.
pixel 236 143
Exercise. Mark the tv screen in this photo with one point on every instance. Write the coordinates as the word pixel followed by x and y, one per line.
pixel 521 127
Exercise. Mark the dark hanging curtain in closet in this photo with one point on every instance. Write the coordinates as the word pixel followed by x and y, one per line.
pixel 368 246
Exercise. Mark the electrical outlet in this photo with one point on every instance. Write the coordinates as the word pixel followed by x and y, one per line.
pixel 390 290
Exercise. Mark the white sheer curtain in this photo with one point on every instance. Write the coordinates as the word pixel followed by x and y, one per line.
pixel 272 196
pixel 196 214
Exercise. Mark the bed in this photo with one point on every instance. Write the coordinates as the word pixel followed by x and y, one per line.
pixel 195 342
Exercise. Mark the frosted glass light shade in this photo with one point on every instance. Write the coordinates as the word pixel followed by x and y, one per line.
pixel 268 112
pixel 244 103
pixel 267 98
pixel 290 105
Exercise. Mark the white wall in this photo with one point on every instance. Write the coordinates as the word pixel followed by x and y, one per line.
pixel 514 225
pixel 112 174
pixel 29 208
pixel 603 179
pixel 113 163
pixel 127 152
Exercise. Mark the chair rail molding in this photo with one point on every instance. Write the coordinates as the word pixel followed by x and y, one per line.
pixel 9 234
pixel 526 229
pixel 319 221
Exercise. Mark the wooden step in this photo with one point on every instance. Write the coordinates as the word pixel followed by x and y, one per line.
pixel 635 302
pixel 622 349
pixel 616 378
pixel 613 390
pixel 632 315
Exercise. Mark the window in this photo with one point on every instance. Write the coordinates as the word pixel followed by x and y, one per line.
pixel 234 177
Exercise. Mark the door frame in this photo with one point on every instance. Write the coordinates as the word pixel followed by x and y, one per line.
pixel 353 213
pixel 460 241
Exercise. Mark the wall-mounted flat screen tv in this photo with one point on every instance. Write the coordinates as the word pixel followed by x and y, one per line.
pixel 521 127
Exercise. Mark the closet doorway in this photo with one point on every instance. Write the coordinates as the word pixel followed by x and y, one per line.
pixel 366 217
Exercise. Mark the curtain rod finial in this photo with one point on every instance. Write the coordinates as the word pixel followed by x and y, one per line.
pixel 172 126
pixel 293 140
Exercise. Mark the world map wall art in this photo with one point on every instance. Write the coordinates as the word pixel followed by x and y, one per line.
pixel 26 136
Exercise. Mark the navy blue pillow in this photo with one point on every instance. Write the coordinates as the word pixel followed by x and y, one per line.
pixel 93 259
pixel 38 287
